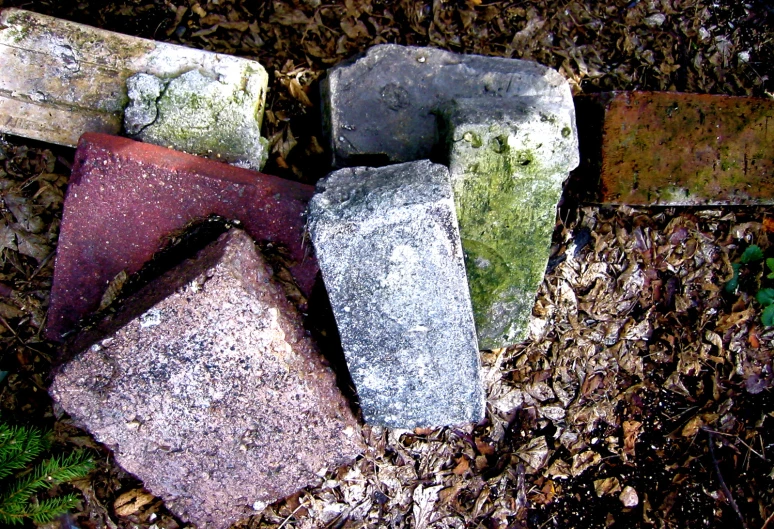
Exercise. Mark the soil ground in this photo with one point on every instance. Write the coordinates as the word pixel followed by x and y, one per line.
pixel 643 397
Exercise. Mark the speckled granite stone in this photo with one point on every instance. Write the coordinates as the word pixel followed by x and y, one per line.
pixel 390 255
pixel 214 396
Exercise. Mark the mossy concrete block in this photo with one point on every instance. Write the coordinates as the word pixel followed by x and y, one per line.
pixel 389 250
pixel 508 159
pixel 200 114
pixel 61 79
pixel 379 107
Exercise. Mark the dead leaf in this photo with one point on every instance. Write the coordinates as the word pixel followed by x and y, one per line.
pixel 692 427
pixel 606 486
pixel 131 502
pixel 631 430
pixel 535 453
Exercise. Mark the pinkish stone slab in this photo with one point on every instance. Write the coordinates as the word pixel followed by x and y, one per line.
pixel 126 197
pixel 214 396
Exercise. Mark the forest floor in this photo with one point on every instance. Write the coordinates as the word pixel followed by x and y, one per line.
pixel 643 397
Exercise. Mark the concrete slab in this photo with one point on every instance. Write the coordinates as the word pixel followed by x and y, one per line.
pixel 390 255
pixel 379 107
pixel 213 395
pixel 508 159
pixel 126 197
pixel 62 79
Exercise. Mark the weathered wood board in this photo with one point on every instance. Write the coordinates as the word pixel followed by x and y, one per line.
pixel 59 79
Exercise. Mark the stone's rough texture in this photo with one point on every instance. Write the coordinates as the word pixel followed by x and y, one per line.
pixel 379 107
pixel 214 397
pixel 144 91
pixel 126 197
pixel 508 159
pixel 390 256
pixel 678 149
pixel 201 115
pixel 61 79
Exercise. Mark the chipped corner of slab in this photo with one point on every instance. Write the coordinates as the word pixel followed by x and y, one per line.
pixel 69 78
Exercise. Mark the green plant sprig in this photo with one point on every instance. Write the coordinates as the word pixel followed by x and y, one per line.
pixel 19 447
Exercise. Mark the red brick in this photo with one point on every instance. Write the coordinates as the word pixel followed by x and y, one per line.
pixel 125 197
pixel 679 149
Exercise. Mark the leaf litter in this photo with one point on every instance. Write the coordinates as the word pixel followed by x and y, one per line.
pixel 643 397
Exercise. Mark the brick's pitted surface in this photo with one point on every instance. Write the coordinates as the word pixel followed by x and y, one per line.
pixel 379 107
pixel 390 256
pixel 125 197
pixel 214 397
pixel 683 149
pixel 508 159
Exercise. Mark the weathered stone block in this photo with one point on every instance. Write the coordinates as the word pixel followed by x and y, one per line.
pixel 672 149
pixel 508 159
pixel 200 115
pixel 390 255
pixel 379 107
pixel 62 79
pixel 214 396
pixel 126 197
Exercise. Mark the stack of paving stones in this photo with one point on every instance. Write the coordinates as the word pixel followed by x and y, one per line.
pixel 204 382
pixel 507 130
pixel 214 396
pixel 126 198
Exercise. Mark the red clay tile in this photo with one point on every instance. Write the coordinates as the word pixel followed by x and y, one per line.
pixel 680 149
pixel 125 197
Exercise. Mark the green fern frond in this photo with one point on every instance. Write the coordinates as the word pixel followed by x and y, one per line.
pixel 18 447
pixel 55 470
pixel 47 510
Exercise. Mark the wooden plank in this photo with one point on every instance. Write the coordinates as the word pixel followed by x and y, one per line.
pixel 76 74
pixel 45 122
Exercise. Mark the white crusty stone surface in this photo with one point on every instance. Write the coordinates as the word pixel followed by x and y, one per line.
pixel 214 397
pixel 379 107
pixel 388 246
pixel 61 79
pixel 200 114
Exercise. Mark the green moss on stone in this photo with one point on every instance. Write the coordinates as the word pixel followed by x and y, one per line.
pixel 506 204
pixel 204 116
pixel 506 194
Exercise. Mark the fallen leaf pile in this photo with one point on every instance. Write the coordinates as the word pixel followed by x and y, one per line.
pixel 643 397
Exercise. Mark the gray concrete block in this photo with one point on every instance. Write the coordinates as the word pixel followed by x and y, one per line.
pixel 379 107
pixel 508 159
pixel 214 396
pixel 390 255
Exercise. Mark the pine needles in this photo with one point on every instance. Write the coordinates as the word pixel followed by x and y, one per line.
pixel 19 447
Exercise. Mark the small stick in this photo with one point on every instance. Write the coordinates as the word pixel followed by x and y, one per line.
pixel 723 486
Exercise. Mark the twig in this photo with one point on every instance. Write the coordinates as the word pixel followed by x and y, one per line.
pixel 766 523
pixel 291 515
pixel 723 485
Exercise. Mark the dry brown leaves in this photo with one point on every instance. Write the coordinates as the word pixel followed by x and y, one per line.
pixel 31 192
pixel 634 314
pixel 635 353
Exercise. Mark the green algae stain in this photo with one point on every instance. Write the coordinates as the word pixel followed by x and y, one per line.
pixel 506 203
pixel 204 116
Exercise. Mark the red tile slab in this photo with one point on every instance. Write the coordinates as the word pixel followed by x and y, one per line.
pixel 666 148
pixel 125 197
